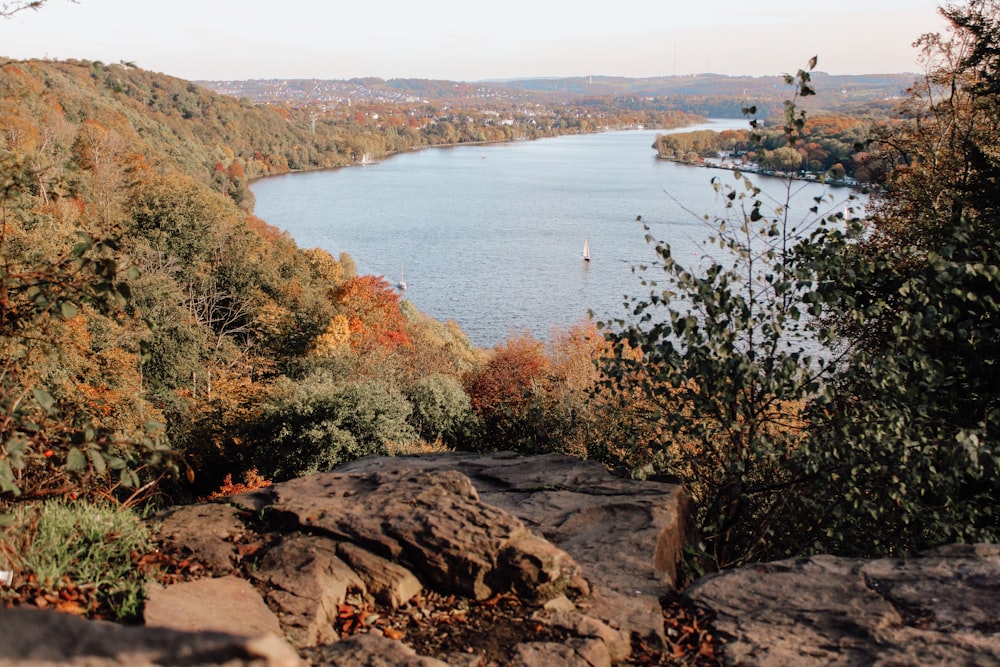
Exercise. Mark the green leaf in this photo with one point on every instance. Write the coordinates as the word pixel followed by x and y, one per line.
pixel 68 309
pixel 7 482
pixel 97 461
pixel 44 399
pixel 75 460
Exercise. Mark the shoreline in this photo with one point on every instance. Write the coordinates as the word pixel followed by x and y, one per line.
pixel 415 149
pixel 752 169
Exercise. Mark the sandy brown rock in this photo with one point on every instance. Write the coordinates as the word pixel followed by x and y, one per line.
pixel 306 582
pixel 433 522
pixel 388 583
pixel 225 604
pixel 384 528
pixel 936 609
pixel 35 638
pixel 371 650
pixel 627 534
pixel 206 529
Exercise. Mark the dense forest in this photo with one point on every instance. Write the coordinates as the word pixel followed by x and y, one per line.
pixel 158 341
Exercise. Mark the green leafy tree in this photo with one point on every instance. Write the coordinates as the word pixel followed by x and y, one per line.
pixel 441 408
pixel 725 359
pixel 917 407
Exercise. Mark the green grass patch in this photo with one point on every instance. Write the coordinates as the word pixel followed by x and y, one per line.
pixel 65 543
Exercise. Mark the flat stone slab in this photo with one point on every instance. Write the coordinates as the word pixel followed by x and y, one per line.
pixel 939 608
pixel 225 604
pixel 627 534
pixel 431 521
pixel 45 638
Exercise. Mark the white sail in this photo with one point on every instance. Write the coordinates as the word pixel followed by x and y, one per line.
pixel 586 250
pixel 402 280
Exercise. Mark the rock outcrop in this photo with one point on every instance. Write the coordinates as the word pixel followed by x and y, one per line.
pixel 939 608
pixel 546 529
pixel 36 638
pixel 590 553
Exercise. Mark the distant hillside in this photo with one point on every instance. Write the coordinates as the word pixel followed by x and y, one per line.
pixel 702 94
pixel 863 88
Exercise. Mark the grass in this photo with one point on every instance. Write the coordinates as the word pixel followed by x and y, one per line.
pixel 64 543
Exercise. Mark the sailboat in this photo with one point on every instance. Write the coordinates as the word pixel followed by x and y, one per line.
pixel 402 280
pixel 586 250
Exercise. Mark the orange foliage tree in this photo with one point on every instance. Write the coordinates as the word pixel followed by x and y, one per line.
pixel 372 311
pixel 503 390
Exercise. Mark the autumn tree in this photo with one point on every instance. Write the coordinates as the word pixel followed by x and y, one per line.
pixel 371 307
pixel 502 390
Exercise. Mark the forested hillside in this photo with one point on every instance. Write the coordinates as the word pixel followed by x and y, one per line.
pixel 139 289
pixel 152 323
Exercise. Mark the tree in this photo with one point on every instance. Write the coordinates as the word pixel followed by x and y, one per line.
pixel 915 411
pixel 723 359
pixel 51 446
pixel 8 9
pixel 316 423
pixel 441 408
pixel 371 307
pixel 502 390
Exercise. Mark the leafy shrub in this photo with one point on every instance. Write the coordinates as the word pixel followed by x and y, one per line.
pixel 441 408
pixel 316 423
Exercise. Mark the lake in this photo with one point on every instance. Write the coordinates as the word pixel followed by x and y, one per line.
pixel 492 237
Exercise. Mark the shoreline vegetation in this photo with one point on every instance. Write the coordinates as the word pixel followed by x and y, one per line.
pixel 830 149
pixel 749 168
pixel 369 161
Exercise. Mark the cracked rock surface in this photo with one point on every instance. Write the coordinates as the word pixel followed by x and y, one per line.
pixel 539 530
pixel 939 608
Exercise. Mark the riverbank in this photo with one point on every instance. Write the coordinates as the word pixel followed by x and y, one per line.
pixel 846 182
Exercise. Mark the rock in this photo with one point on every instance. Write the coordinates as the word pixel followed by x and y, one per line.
pixel 388 584
pixel 306 583
pixel 206 529
pixel 434 522
pixel 626 534
pixel 381 529
pixel 371 650
pixel 574 653
pixel 226 604
pixel 36 638
pixel 941 607
pixel 617 643
pixel 543 654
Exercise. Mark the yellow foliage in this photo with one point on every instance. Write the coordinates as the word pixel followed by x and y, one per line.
pixel 334 339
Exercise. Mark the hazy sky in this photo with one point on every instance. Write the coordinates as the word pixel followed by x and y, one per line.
pixel 473 39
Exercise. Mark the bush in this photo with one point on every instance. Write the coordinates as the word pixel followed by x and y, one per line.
pixel 441 408
pixel 315 424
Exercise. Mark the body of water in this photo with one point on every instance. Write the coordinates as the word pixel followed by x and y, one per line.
pixel 492 237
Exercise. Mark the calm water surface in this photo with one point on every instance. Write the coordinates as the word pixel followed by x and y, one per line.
pixel 493 237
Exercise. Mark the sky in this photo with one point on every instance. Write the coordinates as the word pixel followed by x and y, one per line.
pixel 473 40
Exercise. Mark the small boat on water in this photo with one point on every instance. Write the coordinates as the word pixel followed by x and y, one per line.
pixel 402 280
pixel 586 250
